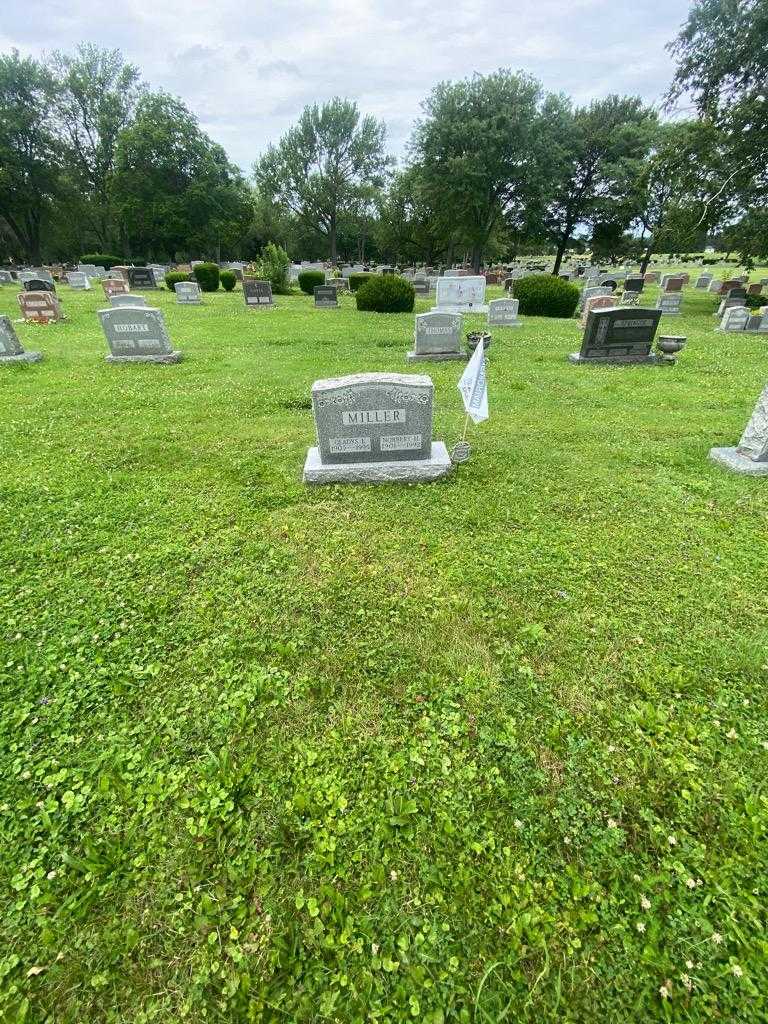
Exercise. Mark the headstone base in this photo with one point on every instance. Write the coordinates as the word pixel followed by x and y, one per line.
pixel 729 458
pixel 509 323
pixel 171 357
pixel 575 357
pixel 417 471
pixel 460 309
pixel 22 357
pixel 434 357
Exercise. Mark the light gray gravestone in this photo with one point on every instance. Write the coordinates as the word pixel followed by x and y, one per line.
pixel 618 334
pixel 703 281
pixel 750 456
pixel 78 279
pixel 421 285
pixel 121 301
pixel 257 294
pixel 188 293
pixel 6 277
pixel 460 295
pixel 669 303
pixel 141 277
pixel 11 349
pixel 715 286
pixel 503 313
pixel 436 338
pixel 87 268
pixel 326 297
pixel 591 292
pixel 374 428
pixel 114 275
pixel 735 318
pixel 137 335
pixel 40 307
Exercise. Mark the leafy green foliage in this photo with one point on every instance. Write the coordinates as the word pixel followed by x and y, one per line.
pixel 386 293
pixel 274 266
pixel 207 276
pixel 310 279
pixel 228 280
pixel 99 259
pixel 174 276
pixel 356 280
pixel 545 295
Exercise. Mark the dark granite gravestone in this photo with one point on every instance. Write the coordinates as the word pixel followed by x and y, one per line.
pixel 673 284
pixel 40 307
pixel 618 334
pixel 421 285
pixel 137 335
pixel 436 337
pixel 129 299
pixel 326 297
pixel 750 456
pixel 738 292
pixel 141 277
pixel 38 284
pixel 634 284
pixel 257 293
pixel 188 293
pixel 11 349
pixel 503 313
pixel 374 428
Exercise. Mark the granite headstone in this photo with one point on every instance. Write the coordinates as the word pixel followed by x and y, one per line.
pixel 11 349
pixel 618 334
pixel 436 338
pixel 137 335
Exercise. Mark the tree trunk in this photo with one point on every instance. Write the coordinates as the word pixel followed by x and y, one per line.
pixel 646 257
pixel 477 258
pixel 332 236
pixel 561 247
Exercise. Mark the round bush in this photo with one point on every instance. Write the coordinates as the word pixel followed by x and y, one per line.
pixel 386 294
pixel 99 259
pixel 228 280
pixel 310 279
pixel 356 280
pixel 175 275
pixel 207 276
pixel 544 295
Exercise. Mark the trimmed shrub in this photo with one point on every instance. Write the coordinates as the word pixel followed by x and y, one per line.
pixel 207 276
pixel 99 259
pixel 544 295
pixel 228 280
pixel 175 275
pixel 356 280
pixel 386 293
pixel 274 266
pixel 310 279
pixel 755 301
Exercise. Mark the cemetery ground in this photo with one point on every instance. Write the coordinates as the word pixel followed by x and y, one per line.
pixel 487 749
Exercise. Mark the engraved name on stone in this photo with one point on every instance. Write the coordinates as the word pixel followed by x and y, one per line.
pixel 351 419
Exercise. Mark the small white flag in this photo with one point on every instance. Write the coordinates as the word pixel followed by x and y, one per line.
pixel 472 386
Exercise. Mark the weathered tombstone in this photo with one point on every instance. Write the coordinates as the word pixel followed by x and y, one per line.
pixel 87 268
pixel 115 287
pixel 715 287
pixel 673 284
pixel 703 281
pixel 735 318
pixel 39 284
pixel 503 313
pixel 137 335
pixel 670 303
pixel 42 275
pixel 595 302
pixel 750 456
pixel 453 273
pixel 651 277
pixel 6 277
pixel 618 335
pixel 436 337
pixel 40 307
pixel 634 284
pixel 757 324
pixel 736 293
pixel 374 428
pixel 755 289
pixel 591 292
pixel 188 293
pixel 421 285
pixel 460 295
pixel 257 293
pixel 141 277
pixel 11 349
pixel 128 299
pixel 326 297
pixel 114 275
pixel 78 279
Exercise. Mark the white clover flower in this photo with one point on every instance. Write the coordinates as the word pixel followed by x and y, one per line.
pixel 393 875
pixel 731 735
pixel 691 883
pixel 612 823
pixel 686 981
pixel 717 938
pixel 517 823
pixel 640 926
pixel 736 971
pixel 664 992
pixel 672 840
pixel 645 903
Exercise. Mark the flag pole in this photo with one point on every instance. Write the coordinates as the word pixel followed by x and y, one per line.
pixel 466 424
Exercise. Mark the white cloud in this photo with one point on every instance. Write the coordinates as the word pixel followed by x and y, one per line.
pixel 246 70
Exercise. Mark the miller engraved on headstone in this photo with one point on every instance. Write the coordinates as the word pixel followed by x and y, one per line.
pixel 436 337
pixel 137 335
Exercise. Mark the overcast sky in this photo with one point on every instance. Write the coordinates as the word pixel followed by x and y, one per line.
pixel 247 68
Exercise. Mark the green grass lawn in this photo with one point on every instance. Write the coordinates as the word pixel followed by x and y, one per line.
pixel 487 749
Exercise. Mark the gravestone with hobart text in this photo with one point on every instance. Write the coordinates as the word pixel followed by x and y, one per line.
pixel 618 334
pixel 503 313
pixel 436 338
pixel 374 428
pixel 141 277
pixel 128 299
pixel 750 455
pixel 11 349
pixel 40 307
pixel 137 335
pixel 460 295
pixel 326 297
pixel 188 293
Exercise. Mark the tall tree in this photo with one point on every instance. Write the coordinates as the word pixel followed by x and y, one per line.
pixel 174 187
pixel 722 65
pixel 97 97
pixel 481 145
pixel 409 226
pixel 324 164
pixel 599 140
pixel 29 160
